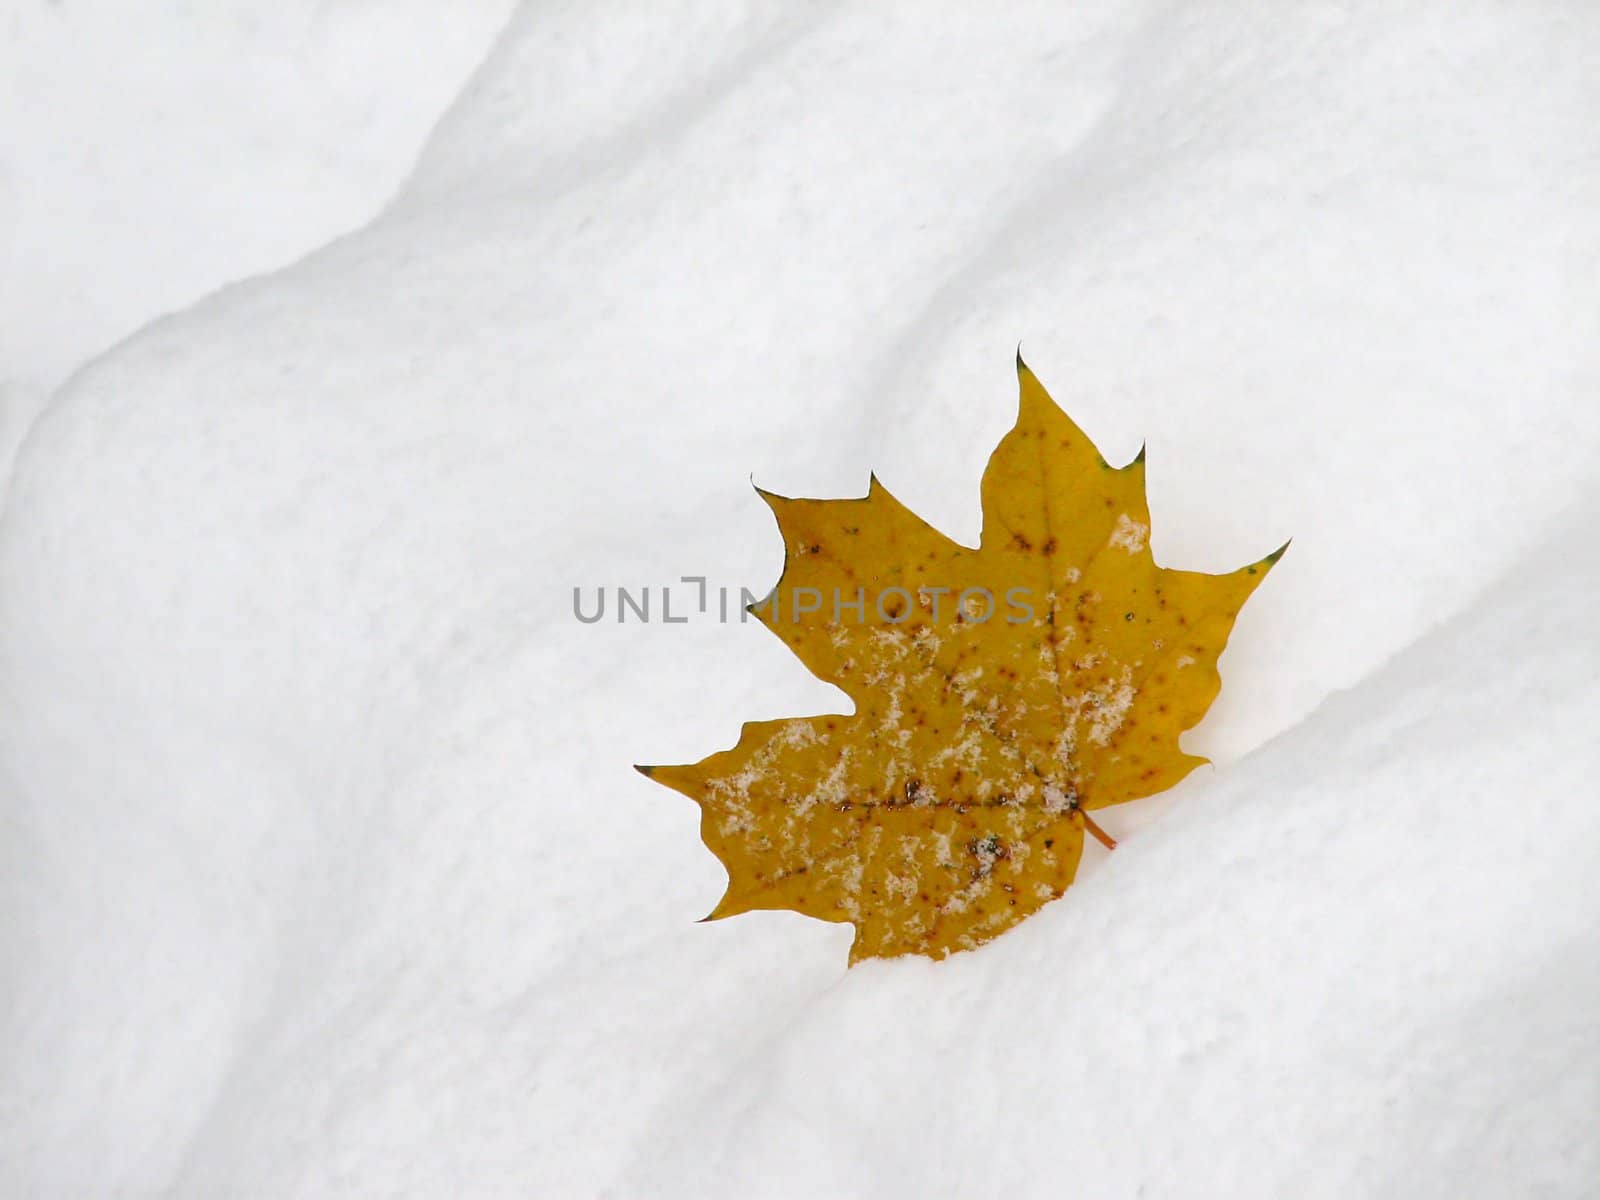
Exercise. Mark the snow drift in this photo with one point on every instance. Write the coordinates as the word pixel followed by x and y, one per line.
pixel 325 871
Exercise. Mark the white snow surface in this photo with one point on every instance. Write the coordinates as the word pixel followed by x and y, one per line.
pixel 151 153
pixel 323 870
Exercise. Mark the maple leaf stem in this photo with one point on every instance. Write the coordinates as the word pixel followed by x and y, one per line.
pixel 1100 835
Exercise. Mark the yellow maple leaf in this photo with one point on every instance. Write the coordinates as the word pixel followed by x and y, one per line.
pixel 1001 694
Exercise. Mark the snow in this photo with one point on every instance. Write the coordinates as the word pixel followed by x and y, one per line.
pixel 324 868
pixel 149 160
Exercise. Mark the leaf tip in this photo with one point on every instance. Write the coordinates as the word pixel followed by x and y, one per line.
pixel 728 906
pixel 1022 368
pixel 766 495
